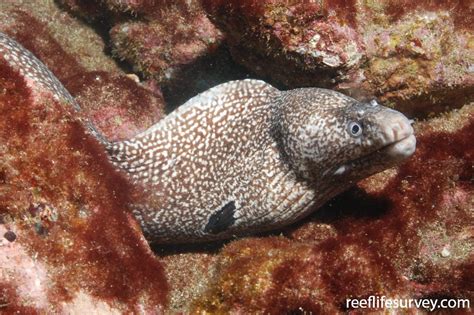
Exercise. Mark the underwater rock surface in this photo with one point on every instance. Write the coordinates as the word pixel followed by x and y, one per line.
pixel 166 42
pixel 399 51
pixel 162 46
pixel 74 240
pixel 67 241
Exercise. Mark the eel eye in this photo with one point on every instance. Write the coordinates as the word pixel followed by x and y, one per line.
pixel 355 129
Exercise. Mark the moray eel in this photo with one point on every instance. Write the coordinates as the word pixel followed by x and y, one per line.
pixel 244 157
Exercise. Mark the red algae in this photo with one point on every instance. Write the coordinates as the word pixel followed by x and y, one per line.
pixel 15 95
pixel 10 302
pixel 462 10
pixel 88 10
pixel 92 244
pixel 44 46
pixel 151 9
pixel 162 46
pixel 109 12
pixel 119 106
pixel 344 10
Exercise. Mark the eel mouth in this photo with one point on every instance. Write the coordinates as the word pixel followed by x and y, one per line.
pixel 400 149
pixel 394 152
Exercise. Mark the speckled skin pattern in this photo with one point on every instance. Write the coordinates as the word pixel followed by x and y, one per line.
pixel 243 156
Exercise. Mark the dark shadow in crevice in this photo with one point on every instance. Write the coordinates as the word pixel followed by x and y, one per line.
pixel 173 249
pixel 204 73
pixel 353 203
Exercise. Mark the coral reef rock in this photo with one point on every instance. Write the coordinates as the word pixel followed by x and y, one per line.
pixel 416 56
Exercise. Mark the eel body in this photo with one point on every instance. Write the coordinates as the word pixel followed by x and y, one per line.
pixel 244 157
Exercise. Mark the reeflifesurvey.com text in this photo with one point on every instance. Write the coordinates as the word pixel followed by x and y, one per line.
pixel 383 302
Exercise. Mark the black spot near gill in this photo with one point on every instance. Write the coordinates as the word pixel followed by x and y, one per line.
pixel 222 219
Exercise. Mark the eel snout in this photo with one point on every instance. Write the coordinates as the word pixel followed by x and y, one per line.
pixel 398 134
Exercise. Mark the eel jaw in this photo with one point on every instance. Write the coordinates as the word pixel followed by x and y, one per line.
pixel 401 149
